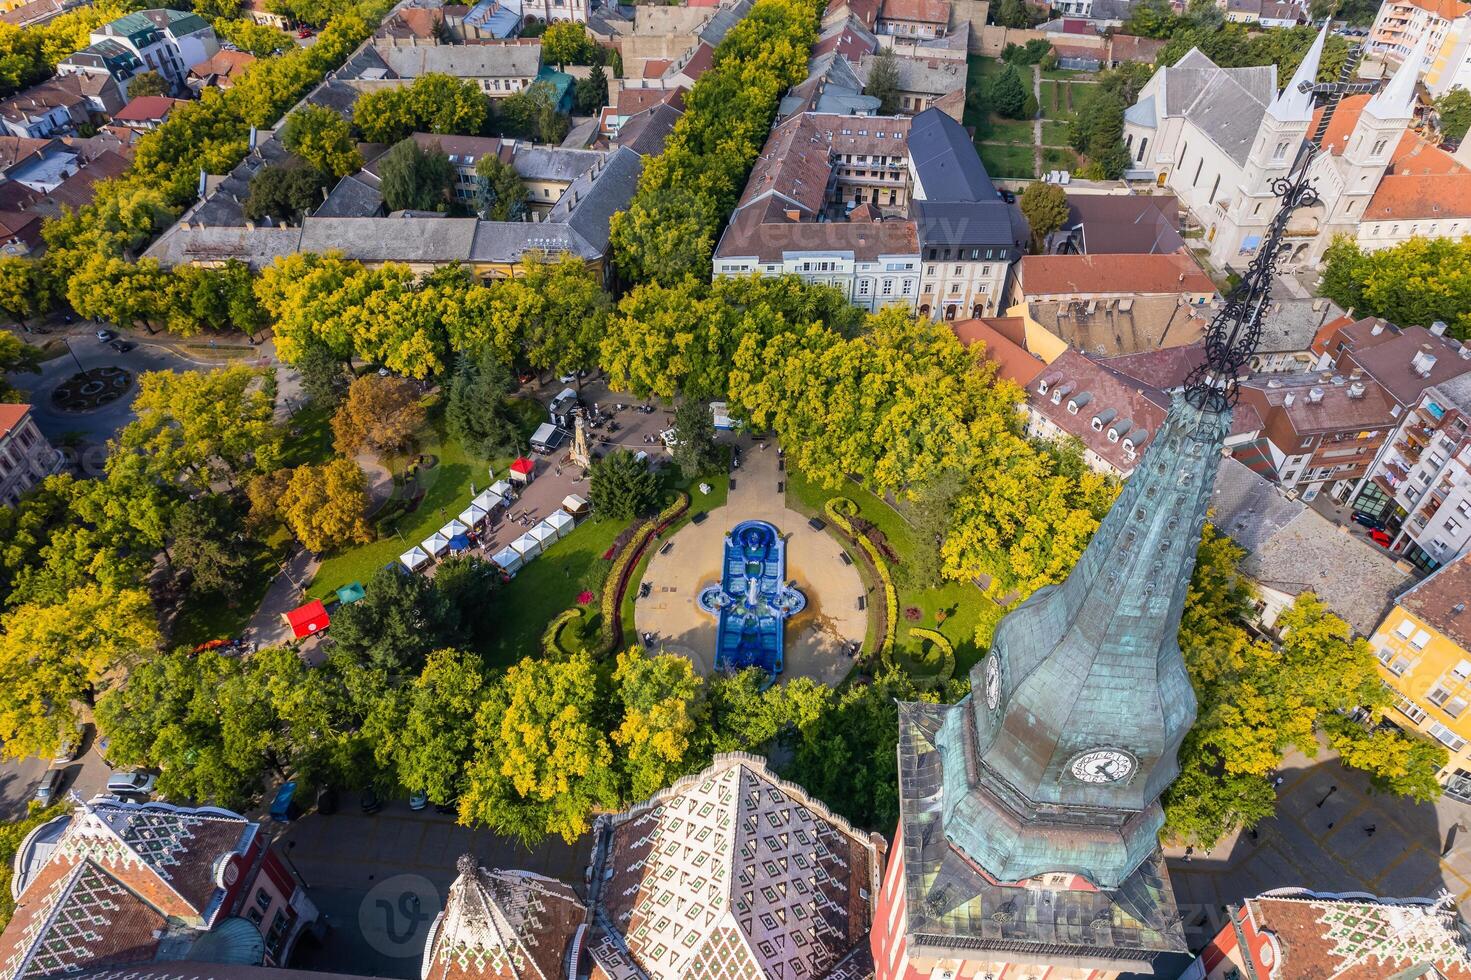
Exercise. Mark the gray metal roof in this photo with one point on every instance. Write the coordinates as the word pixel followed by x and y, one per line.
pixel 970 223
pixel 1227 104
pixel 406 239
pixel 1289 324
pixel 942 154
pixel 725 18
pixel 355 196
pixel 464 60
pixel 553 162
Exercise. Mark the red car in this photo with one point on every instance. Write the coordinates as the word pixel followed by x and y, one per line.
pixel 304 32
pixel 1380 538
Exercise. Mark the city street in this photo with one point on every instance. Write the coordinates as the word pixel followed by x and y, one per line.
pixel 380 880
pixel 87 775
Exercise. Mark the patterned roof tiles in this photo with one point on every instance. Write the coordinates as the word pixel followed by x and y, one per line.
pixel 509 925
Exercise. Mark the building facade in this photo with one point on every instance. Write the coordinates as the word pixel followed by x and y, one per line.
pixel 160 40
pixel 1440 28
pixel 26 458
pixel 1424 652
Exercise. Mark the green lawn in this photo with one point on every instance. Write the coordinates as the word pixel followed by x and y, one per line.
pixel 1054 133
pixel 964 605
pixel 1058 158
pixel 980 66
pixel 1016 131
pixel 1066 73
pixel 446 492
pixel 205 618
pixel 1007 160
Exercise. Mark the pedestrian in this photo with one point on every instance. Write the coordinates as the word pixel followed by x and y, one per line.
pixel 1277 782
pixel 1330 825
pixel 1369 830
pixel 1189 851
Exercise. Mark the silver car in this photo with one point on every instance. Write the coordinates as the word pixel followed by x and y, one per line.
pixel 49 787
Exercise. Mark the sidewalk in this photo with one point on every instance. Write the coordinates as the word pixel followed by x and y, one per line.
pixel 266 627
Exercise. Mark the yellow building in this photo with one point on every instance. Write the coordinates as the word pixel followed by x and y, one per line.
pixel 1424 651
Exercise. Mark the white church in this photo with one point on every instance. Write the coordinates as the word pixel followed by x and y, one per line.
pixel 1219 137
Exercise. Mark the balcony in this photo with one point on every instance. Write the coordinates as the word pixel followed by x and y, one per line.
pixel 1409 450
pixel 1458 787
pixel 1419 434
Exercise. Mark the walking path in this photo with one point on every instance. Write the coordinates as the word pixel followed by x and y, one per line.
pixel 818 639
pixel 1037 122
pixel 266 628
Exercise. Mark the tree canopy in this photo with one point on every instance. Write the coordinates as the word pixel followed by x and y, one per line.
pixel 1414 283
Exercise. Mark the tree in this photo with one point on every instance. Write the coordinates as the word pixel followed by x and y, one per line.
pixel 541 761
pixel 326 506
pixel 622 487
pixel 660 700
pixel 53 656
pixel 415 178
pixel 204 426
pixel 694 438
pixel 324 376
pixel 532 114
pixel 260 40
pixel 284 193
pixel 500 193
pixel 1045 207
pixel 1416 282
pixel 323 139
pixel 438 730
pixel 665 236
pixel 395 625
pixel 16 355
pixel 476 413
pixel 1454 110
pixel 566 42
pixel 883 81
pixel 1008 95
pixel 381 414
pixel 209 545
pixel 25 291
pixel 146 84
pixel 932 515
pixel 1013 13
pixel 434 103
pixel 591 93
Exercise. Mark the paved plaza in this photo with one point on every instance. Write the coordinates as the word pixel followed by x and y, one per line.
pixel 1416 850
pixel 818 639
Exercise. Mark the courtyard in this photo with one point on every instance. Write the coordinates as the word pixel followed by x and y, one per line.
pixel 1025 149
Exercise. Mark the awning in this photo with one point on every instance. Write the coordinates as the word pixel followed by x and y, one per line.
pixel 509 559
pixel 574 504
pixel 351 593
pixel 453 528
pixel 501 489
pixel 528 546
pixel 562 522
pixel 544 533
pixel 436 543
pixel 523 467
pixel 459 543
pixel 489 500
pixel 472 515
pixel 308 619
pixel 414 557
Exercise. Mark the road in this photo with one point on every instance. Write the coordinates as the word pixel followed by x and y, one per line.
pixel 87 775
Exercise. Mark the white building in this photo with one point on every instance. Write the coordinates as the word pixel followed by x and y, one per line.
pixel 162 40
pixel 1219 138
pixel 1444 26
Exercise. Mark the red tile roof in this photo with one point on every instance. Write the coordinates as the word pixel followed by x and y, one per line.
pixel 1084 275
pixel 919 11
pixel 1124 408
pixel 1441 601
pixel 145 108
pixel 12 416
pixel 1013 361
pixel 225 64
pixel 867 11
pixel 1444 9
pixel 656 67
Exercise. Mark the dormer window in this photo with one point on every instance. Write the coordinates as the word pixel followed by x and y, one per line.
pixel 1129 446
pixel 1097 424
pixel 1103 418
pixel 1072 406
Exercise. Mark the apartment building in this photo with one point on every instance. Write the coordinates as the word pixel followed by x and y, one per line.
pixel 1420 482
pixel 1444 26
pixel 914 18
pixel 161 40
pixel 1424 651
pixel 26 458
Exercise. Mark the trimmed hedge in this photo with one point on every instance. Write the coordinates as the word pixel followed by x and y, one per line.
pixel 947 652
pixel 840 510
pixel 623 566
pixel 549 639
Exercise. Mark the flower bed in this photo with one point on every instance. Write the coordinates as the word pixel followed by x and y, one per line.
pixel 624 565
pixel 841 510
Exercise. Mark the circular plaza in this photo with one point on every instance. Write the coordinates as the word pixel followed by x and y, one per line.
pixel 818 634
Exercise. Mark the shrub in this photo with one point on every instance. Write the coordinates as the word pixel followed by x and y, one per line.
pixel 843 512
pixel 551 643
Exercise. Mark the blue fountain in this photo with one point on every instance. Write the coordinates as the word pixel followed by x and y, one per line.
pixel 752 601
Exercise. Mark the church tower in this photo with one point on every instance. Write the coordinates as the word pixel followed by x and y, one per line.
pixel 1283 129
pixel 1371 145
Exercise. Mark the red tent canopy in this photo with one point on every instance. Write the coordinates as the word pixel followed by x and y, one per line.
pixel 523 466
pixel 308 619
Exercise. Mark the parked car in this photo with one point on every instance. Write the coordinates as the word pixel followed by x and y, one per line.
pixel 122 346
pixel 106 336
pixel 419 800
pixel 131 783
pixel 70 747
pixel 1008 197
pixel 1380 537
pixel 49 788
pixel 369 802
pixel 304 32
pixel 1368 520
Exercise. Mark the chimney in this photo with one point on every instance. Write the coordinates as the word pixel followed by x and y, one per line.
pixel 1288 399
pixel 1422 363
pixel 1377 329
pixel 1356 390
pixel 1438 328
pixel 1315 395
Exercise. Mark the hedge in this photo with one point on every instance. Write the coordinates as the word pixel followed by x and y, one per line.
pixel 839 510
pixel 943 644
pixel 623 565
pixel 549 639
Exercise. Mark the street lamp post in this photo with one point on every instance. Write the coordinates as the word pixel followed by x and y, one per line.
pixel 81 370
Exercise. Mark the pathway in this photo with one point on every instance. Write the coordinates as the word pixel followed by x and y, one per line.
pixel 266 628
pixel 1037 122
pixel 817 639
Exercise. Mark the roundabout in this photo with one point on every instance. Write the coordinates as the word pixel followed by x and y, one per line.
pixel 92 389
pixel 755 585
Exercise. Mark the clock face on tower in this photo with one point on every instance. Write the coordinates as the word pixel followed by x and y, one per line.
pixel 993 683
pixel 1102 765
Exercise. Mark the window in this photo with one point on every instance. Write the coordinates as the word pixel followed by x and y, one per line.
pixel 1419 640
pixel 888 287
pixel 1198 167
pixel 1447 737
pixel 1455 706
pixel 1404 629
pixel 1142 144
pixel 1281 151
pixel 1438 695
pixel 1379 148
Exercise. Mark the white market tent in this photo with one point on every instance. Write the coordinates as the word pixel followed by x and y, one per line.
pixel 472 515
pixel 488 500
pixel 436 543
pixel 413 558
pixel 561 522
pixel 453 528
pixel 545 534
pixel 508 559
pixel 528 546
pixel 501 489
pixel 573 504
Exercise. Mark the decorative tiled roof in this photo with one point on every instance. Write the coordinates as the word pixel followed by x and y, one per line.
pixel 1112 415
pixel 507 925
pixel 1360 938
pixel 1442 600
pixel 733 873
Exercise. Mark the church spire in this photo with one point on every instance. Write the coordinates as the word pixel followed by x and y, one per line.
pixel 1293 104
pixel 1397 99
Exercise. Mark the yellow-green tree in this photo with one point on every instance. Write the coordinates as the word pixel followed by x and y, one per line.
pixel 323 139
pixel 25 288
pixel 53 656
pixel 326 506
pixel 660 699
pixel 542 762
pixel 433 744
